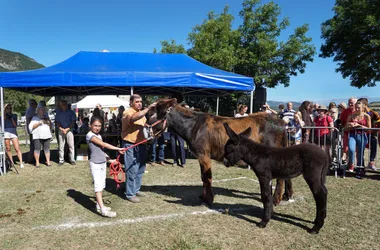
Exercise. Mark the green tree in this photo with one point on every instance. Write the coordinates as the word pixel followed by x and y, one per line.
pixel 261 53
pixel 214 42
pixel 19 100
pixel 352 37
pixel 171 47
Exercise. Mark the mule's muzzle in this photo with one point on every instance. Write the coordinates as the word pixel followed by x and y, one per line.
pixel 226 163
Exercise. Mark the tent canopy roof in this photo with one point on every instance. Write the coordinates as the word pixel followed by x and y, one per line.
pixel 107 101
pixel 102 73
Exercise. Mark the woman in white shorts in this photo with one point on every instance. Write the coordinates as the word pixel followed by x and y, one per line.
pixel 98 163
pixel 10 134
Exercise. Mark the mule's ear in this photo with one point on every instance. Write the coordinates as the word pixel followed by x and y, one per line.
pixel 246 133
pixel 233 136
pixel 172 102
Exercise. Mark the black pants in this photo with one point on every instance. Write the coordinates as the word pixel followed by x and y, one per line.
pixel 178 149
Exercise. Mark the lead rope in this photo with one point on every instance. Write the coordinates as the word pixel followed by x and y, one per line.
pixel 115 167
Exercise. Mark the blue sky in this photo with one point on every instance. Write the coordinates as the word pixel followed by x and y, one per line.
pixel 52 31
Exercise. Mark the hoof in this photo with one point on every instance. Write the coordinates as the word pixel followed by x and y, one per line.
pixel 205 202
pixel 285 197
pixel 313 230
pixel 262 224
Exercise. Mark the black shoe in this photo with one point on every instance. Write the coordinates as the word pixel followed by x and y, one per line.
pixel 73 163
pixel 60 163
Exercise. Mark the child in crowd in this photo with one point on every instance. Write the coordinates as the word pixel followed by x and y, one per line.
pixel 294 129
pixel 242 110
pixel 98 159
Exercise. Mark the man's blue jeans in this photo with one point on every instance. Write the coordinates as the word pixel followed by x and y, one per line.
pixel 135 164
pixel 357 142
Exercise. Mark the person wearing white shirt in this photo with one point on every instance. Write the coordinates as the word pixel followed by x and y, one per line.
pixel 242 110
pixel 40 128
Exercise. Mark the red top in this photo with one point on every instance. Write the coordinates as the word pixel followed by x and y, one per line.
pixel 362 122
pixel 322 122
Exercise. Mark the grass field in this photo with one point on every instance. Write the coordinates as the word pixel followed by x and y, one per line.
pixel 53 208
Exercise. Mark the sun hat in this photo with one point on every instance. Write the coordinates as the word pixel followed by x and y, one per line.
pixel 342 105
pixel 322 107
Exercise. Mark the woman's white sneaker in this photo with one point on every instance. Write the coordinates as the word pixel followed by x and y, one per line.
pixel 108 213
pixel 98 209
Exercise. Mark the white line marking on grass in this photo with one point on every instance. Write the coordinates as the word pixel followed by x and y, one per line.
pixel 73 225
pixel 126 221
pixel 199 182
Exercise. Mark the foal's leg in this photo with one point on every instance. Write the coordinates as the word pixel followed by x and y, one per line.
pixel 206 175
pixel 319 191
pixel 288 195
pixel 267 200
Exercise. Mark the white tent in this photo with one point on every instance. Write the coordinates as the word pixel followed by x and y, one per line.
pixel 107 101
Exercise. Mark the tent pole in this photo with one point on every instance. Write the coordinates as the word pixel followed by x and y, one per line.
pixel 251 102
pixel 131 90
pixel 217 105
pixel 2 149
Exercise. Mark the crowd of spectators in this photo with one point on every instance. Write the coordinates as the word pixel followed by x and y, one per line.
pixel 354 121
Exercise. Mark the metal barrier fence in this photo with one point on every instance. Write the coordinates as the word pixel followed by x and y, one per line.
pixel 3 168
pixel 333 143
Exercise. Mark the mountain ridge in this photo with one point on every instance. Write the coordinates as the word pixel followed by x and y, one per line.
pixel 15 61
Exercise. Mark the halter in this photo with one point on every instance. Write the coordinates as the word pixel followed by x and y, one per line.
pixel 150 133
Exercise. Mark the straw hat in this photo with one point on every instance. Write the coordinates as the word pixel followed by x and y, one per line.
pixel 342 105
pixel 322 107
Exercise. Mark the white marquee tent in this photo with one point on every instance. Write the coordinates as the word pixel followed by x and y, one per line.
pixel 107 101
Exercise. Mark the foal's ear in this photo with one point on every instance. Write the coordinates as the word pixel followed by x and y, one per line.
pixel 233 136
pixel 246 133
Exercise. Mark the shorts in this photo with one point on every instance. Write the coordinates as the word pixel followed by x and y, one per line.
pixel 98 172
pixel 9 135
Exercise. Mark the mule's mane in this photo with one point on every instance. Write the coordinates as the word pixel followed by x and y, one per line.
pixel 187 112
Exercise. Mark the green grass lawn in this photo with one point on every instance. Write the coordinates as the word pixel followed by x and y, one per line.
pixel 52 208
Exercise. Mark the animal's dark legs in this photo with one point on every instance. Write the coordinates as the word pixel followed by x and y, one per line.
pixel 206 175
pixel 319 191
pixel 277 196
pixel 288 190
pixel 267 199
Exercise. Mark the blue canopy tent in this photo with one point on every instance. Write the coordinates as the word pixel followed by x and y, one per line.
pixel 122 73
pixel 98 73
